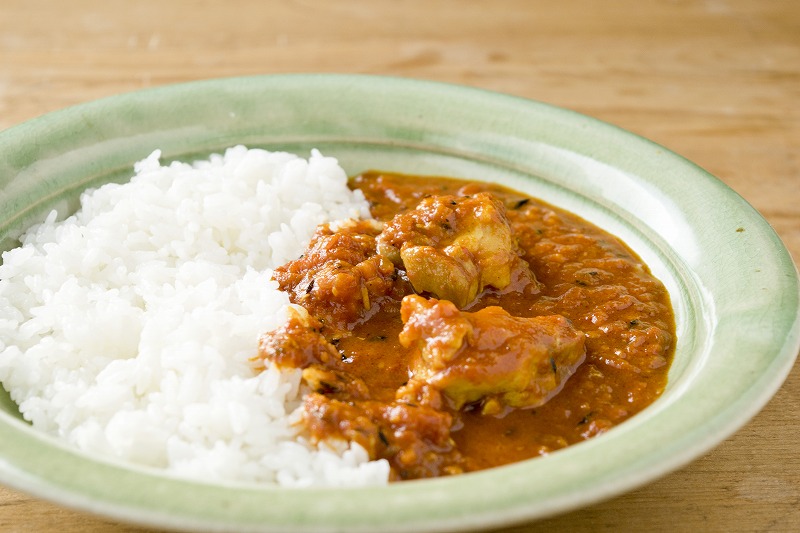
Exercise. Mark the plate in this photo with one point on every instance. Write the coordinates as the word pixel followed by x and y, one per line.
pixel 733 284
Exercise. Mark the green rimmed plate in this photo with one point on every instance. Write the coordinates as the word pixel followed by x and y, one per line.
pixel 733 284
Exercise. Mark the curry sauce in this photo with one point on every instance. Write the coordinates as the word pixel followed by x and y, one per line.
pixel 469 326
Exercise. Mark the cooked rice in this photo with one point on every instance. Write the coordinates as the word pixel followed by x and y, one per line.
pixel 126 329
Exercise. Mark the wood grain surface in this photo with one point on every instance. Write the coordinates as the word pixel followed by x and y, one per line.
pixel 717 81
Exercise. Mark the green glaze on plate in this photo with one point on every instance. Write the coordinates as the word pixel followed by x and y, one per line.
pixel 733 284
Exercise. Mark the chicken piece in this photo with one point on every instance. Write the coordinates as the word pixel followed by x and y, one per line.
pixel 414 439
pixel 335 383
pixel 453 246
pixel 341 278
pixel 489 356
pixel 298 343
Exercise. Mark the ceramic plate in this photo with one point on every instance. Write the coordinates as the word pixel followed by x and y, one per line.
pixel 733 284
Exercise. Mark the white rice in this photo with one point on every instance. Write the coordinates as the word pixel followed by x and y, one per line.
pixel 126 329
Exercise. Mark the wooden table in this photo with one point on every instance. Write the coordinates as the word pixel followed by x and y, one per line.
pixel 717 81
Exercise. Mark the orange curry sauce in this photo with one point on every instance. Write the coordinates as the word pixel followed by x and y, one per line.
pixel 585 275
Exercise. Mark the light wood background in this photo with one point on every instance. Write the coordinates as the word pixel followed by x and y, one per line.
pixel 717 81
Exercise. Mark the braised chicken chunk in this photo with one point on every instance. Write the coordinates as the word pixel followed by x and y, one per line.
pixel 489 356
pixel 335 383
pixel 298 343
pixel 415 439
pixel 340 279
pixel 453 246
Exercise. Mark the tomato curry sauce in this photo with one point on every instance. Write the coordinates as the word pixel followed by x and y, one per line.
pixel 469 326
